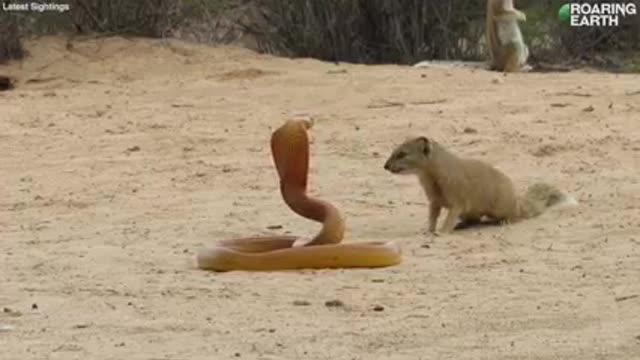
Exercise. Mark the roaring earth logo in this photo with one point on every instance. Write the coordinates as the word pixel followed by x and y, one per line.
pixel 596 14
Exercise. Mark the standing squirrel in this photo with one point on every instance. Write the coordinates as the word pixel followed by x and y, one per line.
pixel 469 189
pixel 507 50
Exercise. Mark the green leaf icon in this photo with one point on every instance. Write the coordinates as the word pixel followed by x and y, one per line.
pixel 564 14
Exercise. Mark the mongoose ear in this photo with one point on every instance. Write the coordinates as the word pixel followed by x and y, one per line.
pixel 426 145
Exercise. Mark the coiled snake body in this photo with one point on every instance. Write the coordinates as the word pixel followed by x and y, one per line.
pixel 290 151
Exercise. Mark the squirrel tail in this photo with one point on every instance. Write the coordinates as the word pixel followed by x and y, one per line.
pixel 541 196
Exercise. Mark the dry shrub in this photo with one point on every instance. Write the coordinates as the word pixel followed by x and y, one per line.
pixel 407 31
pixel 213 21
pixel 10 40
pixel 360 31
pixel 554 42
pixel 152 18
pixel 370 31
pixel 589 41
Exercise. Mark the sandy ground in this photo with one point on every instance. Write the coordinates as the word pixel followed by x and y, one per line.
pixel 120 158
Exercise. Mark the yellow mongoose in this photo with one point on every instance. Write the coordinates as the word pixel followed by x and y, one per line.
pixel 469 189
pixel 507 50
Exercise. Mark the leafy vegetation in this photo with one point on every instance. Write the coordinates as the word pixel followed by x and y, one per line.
pixel 360 31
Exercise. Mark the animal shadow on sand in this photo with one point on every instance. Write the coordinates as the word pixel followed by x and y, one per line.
pixel 477 224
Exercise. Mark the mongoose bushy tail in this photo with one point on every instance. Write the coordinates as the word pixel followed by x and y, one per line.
pixel 539 197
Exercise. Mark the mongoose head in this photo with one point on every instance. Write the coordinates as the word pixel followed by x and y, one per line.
pixel 410 156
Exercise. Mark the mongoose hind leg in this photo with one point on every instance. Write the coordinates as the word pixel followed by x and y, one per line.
pixel 451 220
pixel 513 61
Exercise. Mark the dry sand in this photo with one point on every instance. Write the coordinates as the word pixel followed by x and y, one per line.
pixel 120 158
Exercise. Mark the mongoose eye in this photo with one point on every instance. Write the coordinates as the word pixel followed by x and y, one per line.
pixel 401 155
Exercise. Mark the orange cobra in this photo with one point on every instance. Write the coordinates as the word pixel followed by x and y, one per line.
pixel 290 150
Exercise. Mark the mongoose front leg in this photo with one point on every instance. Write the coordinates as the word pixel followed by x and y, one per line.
pixel 512 15
pixel 434 212
pixel 451 220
